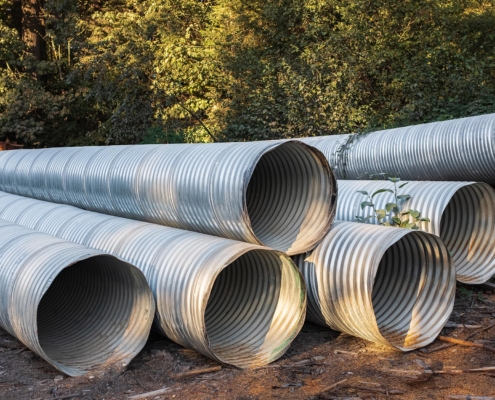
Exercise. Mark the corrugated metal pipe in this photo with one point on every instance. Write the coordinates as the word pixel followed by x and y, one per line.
pixel 75 307
pixel 455 150
pixel 461 213
pixel 238 303
pixel 392 286
pixel 279 194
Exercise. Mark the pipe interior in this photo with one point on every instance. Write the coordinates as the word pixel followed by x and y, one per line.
pixel 287 198
pixel 467 227
pixel 242 306
pixel 397 287
pixel 87 312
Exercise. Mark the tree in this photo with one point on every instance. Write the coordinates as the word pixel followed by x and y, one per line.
pixel 81 72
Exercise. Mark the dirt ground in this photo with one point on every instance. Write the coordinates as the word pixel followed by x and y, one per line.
pixel 317 359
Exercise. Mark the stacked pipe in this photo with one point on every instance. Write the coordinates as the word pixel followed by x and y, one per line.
pixel 75 307
pixel 457 150
pixel 244 191
pixel 461 213
pixel 238 303
pixel 228 297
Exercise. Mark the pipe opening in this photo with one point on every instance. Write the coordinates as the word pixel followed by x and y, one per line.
pixel 89 312
pixel 397 285
pixel 414 289
pixel 244 322
pixel 467 227
pixel 288 198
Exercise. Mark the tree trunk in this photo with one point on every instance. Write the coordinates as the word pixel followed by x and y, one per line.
pixel 33 28
pixel 15 20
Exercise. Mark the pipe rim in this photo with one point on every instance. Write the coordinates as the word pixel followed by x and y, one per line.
pixel 288 316
pixel 110 348
pixel 323 190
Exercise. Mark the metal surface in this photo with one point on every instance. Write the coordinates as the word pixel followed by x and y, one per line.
pixel 461 213
pixel 456 150
pixel 75 307
pixel 279 194
pixel 388 285
pixel 238 303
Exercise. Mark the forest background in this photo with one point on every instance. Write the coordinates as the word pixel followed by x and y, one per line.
pixel 79 72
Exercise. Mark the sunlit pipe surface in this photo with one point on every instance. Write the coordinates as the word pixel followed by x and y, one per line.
pixel 76 307
pixel 279 194
pixel 388 285
pixel 461 213
pixel 238 303
pixel 456 150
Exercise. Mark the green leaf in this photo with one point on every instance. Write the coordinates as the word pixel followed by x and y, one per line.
pixel 381 191
pixel 404 184
pixel 390 206
pixel 363 192
pixel 414 213
pixel 396 220
pixel 365 204
pixel 425 220
pixel 395 180
pixel 404 196
pixel 380 214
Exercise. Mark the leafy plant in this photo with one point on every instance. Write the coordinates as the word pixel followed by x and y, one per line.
pixel 393 213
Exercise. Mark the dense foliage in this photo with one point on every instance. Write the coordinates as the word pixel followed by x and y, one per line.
pixel 136 71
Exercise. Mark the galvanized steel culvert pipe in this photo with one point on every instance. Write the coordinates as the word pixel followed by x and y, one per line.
pixel 238 303
pixel 461 213
pixel 279 194
pixel 456 150
pixel 76 307
pixel 388 285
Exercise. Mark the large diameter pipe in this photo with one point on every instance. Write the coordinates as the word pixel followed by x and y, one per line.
pixel 387 285
pixel 76 307
pixel 456 150
pixel 278 194
pixel 237 303
pixel 461 213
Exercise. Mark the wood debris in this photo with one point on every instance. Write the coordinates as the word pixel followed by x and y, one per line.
pixel 466 343
pixel 150 394
pixel 196 372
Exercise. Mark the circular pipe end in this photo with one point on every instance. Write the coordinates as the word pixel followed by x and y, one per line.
pixel 467 227
pixel 291 198
pixel 413 291
pixel 255 309
pixel 97 312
